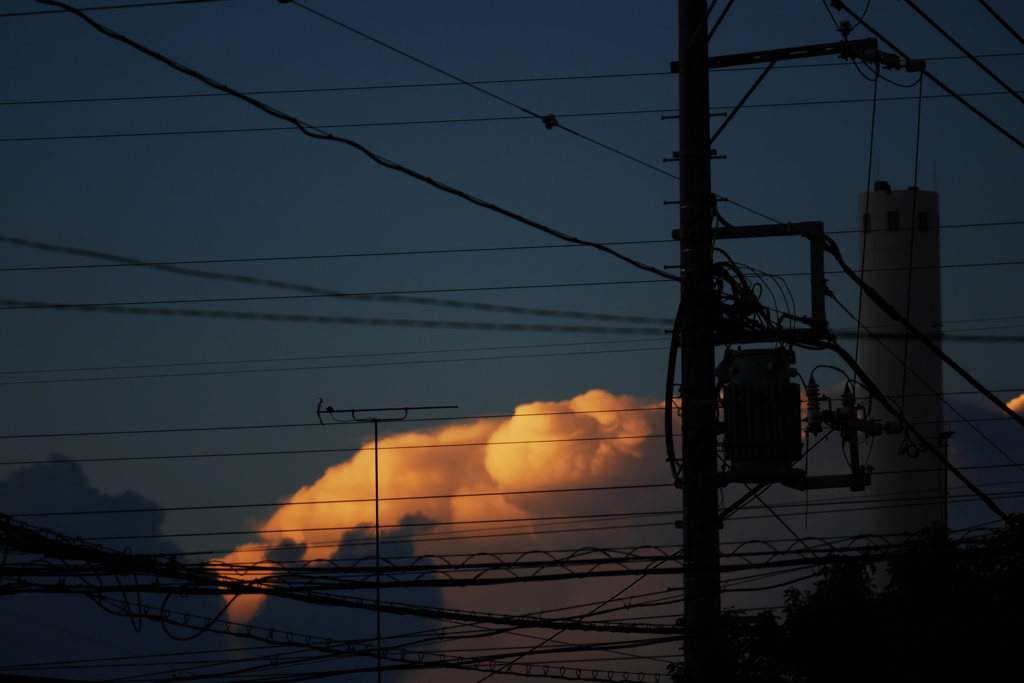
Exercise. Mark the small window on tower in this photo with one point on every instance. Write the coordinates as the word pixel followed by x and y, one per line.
pixel 892 220
pixel 867 222
pixel 922 220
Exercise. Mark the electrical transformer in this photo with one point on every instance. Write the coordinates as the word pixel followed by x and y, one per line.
pixel 761 410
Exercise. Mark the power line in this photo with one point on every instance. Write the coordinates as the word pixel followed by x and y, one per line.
pixel 307 451
pixel 523 530
pixel 931 391
pixel 97 8
pixel 472 119
pixel 134 263
pixel 391 499
pixel 431 529
pixel 348 88
pixel 332 319
pixel 306 289
pixel 13 304
pixel 8 304
pixel 304 425
pixel 549 121
pixel 245 361
pixel 535 526
pixel 394 296
pixel 932 77
pixel 895 315
pixel 267 129
pixel 1002 21
pixel 977 62
pixel 539 79
pixel 314 132
pixel 149 366
pixel 207 373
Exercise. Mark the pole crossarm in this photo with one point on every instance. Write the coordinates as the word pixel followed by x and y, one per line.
pixel 814 232
pixel 864 49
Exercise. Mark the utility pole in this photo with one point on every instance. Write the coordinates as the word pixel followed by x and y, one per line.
pixel 751 430
pixel 699 398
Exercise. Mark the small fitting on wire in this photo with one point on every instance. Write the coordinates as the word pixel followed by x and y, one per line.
pixel 550 121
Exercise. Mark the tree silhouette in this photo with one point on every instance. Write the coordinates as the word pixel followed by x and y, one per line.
pixel 942 610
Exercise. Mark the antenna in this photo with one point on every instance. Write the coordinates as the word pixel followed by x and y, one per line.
pixel 361 415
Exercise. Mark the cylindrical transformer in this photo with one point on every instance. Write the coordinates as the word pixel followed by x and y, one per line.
pixel 899 239
pixel 761 410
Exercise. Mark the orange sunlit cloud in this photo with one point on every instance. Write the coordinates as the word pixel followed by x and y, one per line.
pixel 595 439
pixel 1017 404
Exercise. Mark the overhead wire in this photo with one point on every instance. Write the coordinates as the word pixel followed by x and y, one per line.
pixel 721 17
pixel 133 660
pixel 302 503
pixel 427 252
pixel 314 132
pixel 839 4
pixel 896 316
pixel 320 575
pixel 307 451
pixel 270 129
pixel 867 189
pixel 916 433
pixel 540 79
pixel 549 121
pixel 307 640
pixel 1002 21
pixel 9 304
pixel 977 62
pixel 420 533
pixel 489 119
pixel 534 527
pixel 307 289
pixel 351 88
pixel 208 373
pixel 446 418
pixel 531 528
pixel 416 352
pixel 484 119
pixel 409 294
pixel 525 530
pixel 46 246
pixel 933 392
pixel 911 272
pixel 288 584
pixel 97 8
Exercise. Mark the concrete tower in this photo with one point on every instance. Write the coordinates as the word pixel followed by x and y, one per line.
pixel 899 246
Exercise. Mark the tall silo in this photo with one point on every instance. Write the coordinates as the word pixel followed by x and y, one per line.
pixel 899 246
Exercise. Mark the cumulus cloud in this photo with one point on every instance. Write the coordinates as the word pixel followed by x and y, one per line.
pixel 38 628
pixel 61 485
pixel 593 440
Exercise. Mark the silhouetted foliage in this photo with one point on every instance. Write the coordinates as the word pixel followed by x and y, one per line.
pixel 942 610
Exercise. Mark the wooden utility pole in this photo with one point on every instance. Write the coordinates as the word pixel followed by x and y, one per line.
pixel 699 398
pixel 697 333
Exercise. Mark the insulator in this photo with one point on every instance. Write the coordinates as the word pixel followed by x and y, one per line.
pixel 813 408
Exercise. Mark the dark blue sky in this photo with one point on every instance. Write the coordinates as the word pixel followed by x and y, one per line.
pixel 105 149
